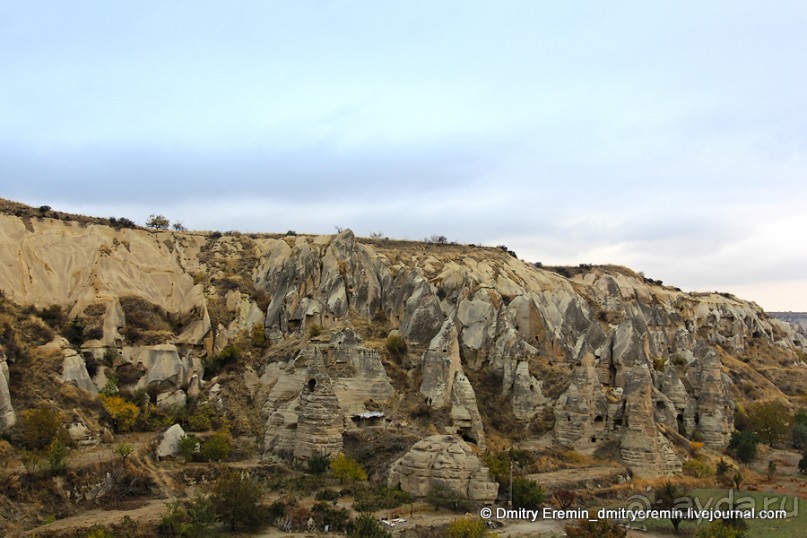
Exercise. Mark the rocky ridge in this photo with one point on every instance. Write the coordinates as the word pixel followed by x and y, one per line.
pixel 598 356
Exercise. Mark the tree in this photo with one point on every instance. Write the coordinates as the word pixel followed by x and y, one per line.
pixel 347 470
pixel 743 445
pixel 670 497
pixel 319 463
pixel 527 493
pixel 803 464
pixel 178 226
pixel 235 501
pixel 800 429
pixel 467 527
pixel 158 222
pixel 770 421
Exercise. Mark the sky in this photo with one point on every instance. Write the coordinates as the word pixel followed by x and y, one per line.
pixel 667 136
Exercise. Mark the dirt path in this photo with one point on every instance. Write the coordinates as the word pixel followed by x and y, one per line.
pixel 573 477
pixel 152 510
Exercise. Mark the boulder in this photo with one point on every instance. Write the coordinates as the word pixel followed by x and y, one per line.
pixel 169 444
pixel 447 461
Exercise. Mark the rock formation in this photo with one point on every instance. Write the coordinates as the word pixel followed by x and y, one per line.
pixel 615 356
pixel 7 415
pixel 447 461
pixel 320 423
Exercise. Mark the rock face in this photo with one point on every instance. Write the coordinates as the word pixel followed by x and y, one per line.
pixel 7 415
pixel 644 449
pixel 441 363
pixel 320 423
pixel 465 416
pixel 581 412
pixel 714 406
pixel 443 460
pixel 615 356
pixel 75 371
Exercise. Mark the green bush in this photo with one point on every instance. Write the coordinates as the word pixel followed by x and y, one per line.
pixel 467 527
pixel 314 330
pixel 335 518
pixel 217 448
pixel 188 447
pixel 396 346
pixel 215 364
pixel 743 445
pixel 201 418
pixel 719 529
pixel 697 468
pixel 327 495
pixel 527 493
pixel 192 519
pixel 372 498
pixel 770 421
pixel 235 501
pixel 319 463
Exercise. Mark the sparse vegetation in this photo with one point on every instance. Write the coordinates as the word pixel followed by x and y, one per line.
pixel 396 347
pixel 770 421
pixel 445 497
pixel 602 528
pixel 467 527
pixel 157 222
pixel 346 469
pixel 743 445
pixel 235 501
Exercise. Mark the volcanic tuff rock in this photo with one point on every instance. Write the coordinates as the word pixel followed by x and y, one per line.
pixel 7 415
pixel 447 461
pixel 614 356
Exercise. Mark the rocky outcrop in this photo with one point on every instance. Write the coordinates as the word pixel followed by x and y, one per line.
pixel 320 422
pixel 643 447
pixel 527 398
pixel 169 444
pixel 713 413
pixel 74 370
pixel 441 363
pixel 447 461
pixel 465 418
pixel 581 412
pixel 7 415
pixel 615 355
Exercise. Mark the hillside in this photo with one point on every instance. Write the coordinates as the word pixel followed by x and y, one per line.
pixel 397 353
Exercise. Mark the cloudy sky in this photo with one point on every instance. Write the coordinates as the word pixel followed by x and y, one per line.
pixel 669 136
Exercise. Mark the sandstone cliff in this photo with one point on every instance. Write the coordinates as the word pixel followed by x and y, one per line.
pixel 584 356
